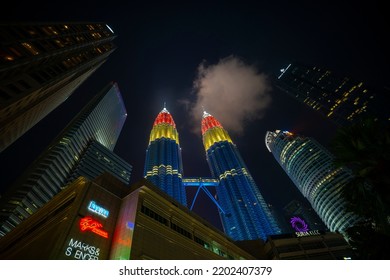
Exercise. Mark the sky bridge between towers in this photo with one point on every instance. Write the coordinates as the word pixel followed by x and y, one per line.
pixel 202 184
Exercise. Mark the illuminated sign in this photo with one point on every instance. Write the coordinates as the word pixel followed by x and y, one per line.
pixel 299 224
pixel 93 207
pixel 89 224
pixel 81 251
pixel 307 233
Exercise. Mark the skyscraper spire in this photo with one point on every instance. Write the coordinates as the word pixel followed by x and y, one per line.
pixel 163 163
pixel 246 215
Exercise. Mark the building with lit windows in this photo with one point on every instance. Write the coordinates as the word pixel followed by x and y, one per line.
pixel 337 98
pixel 163 162
pixel 244 213
pixel 41 65
pixel 310 166
pixel 104 219
pixel 72 153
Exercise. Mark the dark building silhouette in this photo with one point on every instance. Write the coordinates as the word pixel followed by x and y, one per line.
pixel 338 98
pixel 41 64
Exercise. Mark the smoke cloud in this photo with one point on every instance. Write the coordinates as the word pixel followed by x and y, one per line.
pixel 230 90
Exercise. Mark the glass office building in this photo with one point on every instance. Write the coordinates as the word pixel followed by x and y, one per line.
pixel 101 120
pixel 336 97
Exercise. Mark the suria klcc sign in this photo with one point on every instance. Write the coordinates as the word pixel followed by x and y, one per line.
pixel 301 228
pixel 95 208
pixel 307 233
pixel 299 224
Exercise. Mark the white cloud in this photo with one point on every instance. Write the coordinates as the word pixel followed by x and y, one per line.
pixel 231 91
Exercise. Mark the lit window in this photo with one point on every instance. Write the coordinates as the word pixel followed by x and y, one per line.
pixel 30 48
pixel 8 58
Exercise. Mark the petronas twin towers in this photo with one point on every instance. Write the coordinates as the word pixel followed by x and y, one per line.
pixel 163 163
pixel 244 213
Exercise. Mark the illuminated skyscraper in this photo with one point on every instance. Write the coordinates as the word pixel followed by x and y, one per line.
pixel 163 163
pixel 337 98
pixel 310 166
pixel 73 152
pixel 41 65
pixel 244 214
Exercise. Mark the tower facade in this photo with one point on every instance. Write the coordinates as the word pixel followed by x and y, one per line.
pixel 41 65
pixel 163 163
pixel 101 120
pixel 310 166
pixel 340 99
pixel 245 214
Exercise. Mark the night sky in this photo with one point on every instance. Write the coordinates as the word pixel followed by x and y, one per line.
pixel 160 47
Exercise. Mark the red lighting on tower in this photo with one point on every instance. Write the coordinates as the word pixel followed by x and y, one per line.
pixel 209 122
pixel 164 117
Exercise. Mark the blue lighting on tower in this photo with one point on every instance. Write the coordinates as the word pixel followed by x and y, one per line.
pixel 246 215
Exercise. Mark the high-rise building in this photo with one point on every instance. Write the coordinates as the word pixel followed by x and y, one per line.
pixel 163 163
pixel 340 99
pixel 245 214
pixel 97 159
pixel 41 65
pixel 310 166
pixel 101 120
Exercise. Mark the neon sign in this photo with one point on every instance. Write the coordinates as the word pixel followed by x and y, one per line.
pixel 93 207
pixel 81 251
pixel 89 224
pixel 299 224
